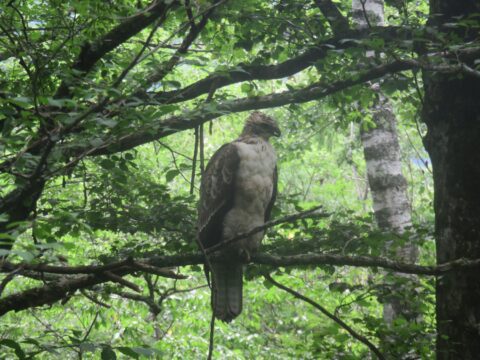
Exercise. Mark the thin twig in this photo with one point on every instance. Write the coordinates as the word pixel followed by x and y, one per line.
pixel 209 98
pixel 313 212
pixel 212 335
pixel 136 59
pixel 195 29
pixel 324 311
pixel 94 300
pixel 9 278
pixel 158 271
pixel 169 148
pixel 118 279
pixel 172 152
pixel 365 13
pixel 194 161
pixel 90 327
pixel 202 148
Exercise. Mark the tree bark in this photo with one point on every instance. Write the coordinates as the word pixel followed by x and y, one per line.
pixel 452 114
pixel 382 149
pixel 388 187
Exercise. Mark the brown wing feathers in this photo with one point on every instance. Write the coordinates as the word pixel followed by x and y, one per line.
pixel 216 196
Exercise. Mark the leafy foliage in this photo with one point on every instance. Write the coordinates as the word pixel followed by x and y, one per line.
pixel 98 162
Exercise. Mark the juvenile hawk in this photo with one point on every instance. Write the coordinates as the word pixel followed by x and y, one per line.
pixel 237 193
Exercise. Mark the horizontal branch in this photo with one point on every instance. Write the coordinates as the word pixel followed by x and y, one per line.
pixel 206 112
pixel 316 91
pixel 59 289
pixel 124 266
pixel 322 259
pixel 253 71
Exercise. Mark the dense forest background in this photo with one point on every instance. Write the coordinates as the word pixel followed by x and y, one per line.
pixel 109 111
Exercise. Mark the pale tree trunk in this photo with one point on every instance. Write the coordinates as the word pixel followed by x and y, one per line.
pixel 452 114
pixel 387 184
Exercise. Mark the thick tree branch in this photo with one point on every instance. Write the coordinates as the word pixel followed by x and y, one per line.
pixel 324 311
pixel 129 265
pixel 91 53
pixel 248 72
pixel 20 203
pixel 337 21
pixel 205 113
pixel 59 289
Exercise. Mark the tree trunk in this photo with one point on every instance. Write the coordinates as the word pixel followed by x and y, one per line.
pixel 452 114
pixel 382 149
pixel 389 191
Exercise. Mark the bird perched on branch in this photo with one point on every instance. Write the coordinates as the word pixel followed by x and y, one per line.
pixel 237 193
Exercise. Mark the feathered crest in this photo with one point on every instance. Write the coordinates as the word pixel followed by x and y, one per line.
pixel 260 124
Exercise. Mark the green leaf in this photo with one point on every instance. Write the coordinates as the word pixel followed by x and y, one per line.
pixel 21 101
pixel 166 109
pixel 96 142
pixel 267 284
pixel 107 164
pixel 27 256
pixel 15 346
pixel 87 347
pixel 106 122
pixel 108 354
pixel 246 87
pixel 171 174
pixel 145 351
pixel 60 102
pixel 173 83
pixel 128 351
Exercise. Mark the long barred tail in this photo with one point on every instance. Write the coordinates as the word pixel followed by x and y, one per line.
pixel 227 286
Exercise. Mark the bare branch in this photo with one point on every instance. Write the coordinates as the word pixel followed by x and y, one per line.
pixel 69 270
pixel 324 311
pixel 311 213
pixel 94 300
pixel 150 269
pixel 205 113
pixel 136 297
pixel 118 279
pixel 9 278
pixel 89 330
pixel 59 289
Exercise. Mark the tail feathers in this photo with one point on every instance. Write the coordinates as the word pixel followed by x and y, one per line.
pixel 227 284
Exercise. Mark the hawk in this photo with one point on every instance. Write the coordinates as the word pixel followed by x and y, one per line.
pixel 237 193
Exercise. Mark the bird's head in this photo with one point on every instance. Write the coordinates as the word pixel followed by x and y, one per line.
pixel 259 124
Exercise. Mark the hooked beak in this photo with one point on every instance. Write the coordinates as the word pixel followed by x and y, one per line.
pixel 277 132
